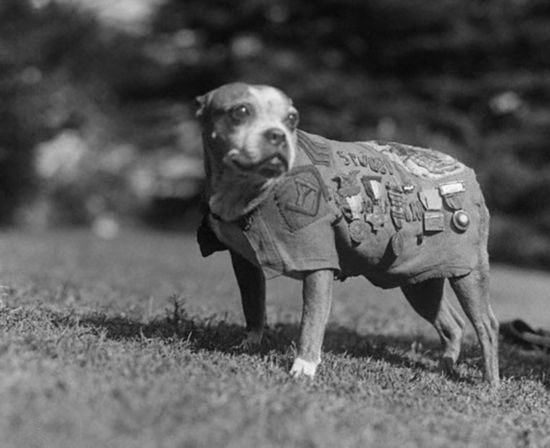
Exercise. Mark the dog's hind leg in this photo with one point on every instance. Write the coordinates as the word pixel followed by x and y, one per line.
pixel 251 281
pixel 429 301
pixel 472 291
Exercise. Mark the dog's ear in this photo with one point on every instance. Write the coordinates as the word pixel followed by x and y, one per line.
pixel 200 105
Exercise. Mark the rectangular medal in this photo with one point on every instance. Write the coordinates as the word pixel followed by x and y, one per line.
pixel 434 221
pixel 451 188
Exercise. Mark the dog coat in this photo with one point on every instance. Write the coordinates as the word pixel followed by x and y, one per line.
pixel 394 213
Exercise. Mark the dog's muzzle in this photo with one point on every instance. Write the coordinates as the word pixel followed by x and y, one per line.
pixel 271 166
pixel 274 149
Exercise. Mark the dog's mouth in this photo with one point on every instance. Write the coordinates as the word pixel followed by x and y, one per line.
pixel 272 166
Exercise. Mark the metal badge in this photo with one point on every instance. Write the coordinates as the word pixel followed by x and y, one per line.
pixel 377 218
pixel 349 198
pixel 397 203
pixel 355 204
pixel 430 199
pixel 396 244
pixel 453 194
pixel 455 201
pixel 408 213
pixel 461 221
pixel 396 198
pixel 416 211
pixel 434 221
pixel 451 188
pixel 373 187
pixel 397 216
pixel 357 231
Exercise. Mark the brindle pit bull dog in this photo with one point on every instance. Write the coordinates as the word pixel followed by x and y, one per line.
pixel 284 201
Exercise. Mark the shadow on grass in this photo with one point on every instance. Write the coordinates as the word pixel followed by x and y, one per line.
pixel 214 334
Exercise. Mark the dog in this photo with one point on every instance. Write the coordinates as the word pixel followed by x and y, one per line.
pixel 284 201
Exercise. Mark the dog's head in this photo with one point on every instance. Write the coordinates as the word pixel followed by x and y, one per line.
pixel 249 129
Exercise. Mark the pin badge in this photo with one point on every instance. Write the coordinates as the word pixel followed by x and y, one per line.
pixel 461 221
pixel 430 199
pixel 396 244
pixel 373 187
pixel 357 231
pixel 453 194
pixel 398 216
pixel 355 204
pixel 452 188
pixel 434 221
pixel 377 218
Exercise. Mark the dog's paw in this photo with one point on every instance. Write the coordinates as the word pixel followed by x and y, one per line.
pixel 252 341
pixel 301 367
pixel 448 366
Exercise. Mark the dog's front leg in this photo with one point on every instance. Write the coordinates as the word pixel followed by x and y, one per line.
pixel 317 299
pixel 251 281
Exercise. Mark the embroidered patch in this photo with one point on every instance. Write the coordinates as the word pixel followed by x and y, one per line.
pixel 365 159
pixel 347 184
pixel 302 197
pixel 317 151
pixel 421 162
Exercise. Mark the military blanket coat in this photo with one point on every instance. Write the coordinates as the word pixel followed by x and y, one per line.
pixel 393 213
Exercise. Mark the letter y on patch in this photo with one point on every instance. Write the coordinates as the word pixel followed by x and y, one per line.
pixel 302 197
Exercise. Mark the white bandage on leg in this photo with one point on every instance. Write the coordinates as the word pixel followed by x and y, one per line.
pixel 302 367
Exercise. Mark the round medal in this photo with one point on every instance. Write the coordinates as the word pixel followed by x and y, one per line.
pixel 461 220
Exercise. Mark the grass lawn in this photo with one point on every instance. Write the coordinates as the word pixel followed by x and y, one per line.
pixel 128 343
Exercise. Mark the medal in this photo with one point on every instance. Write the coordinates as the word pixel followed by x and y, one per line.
pixel 357 231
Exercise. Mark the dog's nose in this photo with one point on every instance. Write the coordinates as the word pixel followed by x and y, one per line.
pixel 275 136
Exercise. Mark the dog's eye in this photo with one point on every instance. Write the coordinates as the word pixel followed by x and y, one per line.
pixel 292 120
pixel 239 113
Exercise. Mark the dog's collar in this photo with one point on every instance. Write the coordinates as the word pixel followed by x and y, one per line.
pixel 244 222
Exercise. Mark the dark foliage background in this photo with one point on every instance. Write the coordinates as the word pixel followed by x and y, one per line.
pixel 471 78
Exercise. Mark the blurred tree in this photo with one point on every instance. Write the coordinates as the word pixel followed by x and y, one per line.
pixel 60 70
pixel 15 147
pixel 469 78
